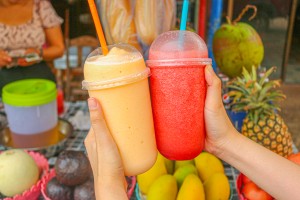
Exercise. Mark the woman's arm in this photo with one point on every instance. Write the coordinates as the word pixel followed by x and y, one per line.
pixel 55 47
pixel 273 173
pixel 55 44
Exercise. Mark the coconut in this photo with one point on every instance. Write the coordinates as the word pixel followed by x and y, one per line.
pixel 237 45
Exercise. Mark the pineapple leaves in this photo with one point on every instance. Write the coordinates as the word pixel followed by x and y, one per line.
pixel 246 74
pixel 267 74
pixel 256 95
pixel 258 86
pixel 238 89
pixel 254 74
pixel 265 89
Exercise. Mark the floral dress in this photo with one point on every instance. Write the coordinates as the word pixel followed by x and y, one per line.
pixel 17 38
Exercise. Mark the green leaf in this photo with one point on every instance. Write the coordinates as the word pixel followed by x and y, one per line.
pixel 257 86
pixel 243 90
pixel 266 88
pixel 267 74
pixel 246 74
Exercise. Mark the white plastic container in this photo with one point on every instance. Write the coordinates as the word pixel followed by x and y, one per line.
pixel 31 110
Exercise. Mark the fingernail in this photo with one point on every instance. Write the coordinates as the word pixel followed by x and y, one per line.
pixel 209 74
pixel 92 103
pixel 210 69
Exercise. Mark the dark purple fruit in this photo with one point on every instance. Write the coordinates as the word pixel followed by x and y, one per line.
pixel 72 168
pixel 85 191
pixel 58 191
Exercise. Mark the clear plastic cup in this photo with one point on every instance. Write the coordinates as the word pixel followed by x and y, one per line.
pixel 177 60
pixel 119 81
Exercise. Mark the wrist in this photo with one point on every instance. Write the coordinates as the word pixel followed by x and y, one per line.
pixel 111 181
pixel 228 144
pixel 231 151
pixel 109 191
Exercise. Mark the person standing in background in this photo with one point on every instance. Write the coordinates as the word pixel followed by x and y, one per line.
pixel 28 27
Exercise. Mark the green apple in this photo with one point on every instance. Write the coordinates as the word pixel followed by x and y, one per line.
pixel 182 172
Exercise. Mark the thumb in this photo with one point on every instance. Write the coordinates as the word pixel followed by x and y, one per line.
pixel 213 100
pixel 101 132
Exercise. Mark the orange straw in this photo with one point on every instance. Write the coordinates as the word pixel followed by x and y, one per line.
pixel 98 26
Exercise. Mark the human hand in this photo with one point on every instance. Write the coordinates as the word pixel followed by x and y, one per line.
pixel 104 156
pixel 218 126
pixel 5 59
pixel 22 61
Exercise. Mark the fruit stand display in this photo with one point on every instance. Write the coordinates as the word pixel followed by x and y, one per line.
pixel 200 178
pixel 260 99
pixel 75 143
pixel 238 51
pixel 262 124
pixel 251 95
pixel 72 154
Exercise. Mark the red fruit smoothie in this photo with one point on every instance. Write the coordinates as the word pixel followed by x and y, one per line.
pixel 178 91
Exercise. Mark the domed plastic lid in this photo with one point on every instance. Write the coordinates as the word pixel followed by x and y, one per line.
pixel 29 92
pixel 118 54
pixel 178 46
pixel 101 72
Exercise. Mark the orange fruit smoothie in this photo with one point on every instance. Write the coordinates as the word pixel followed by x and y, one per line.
pixel 120 83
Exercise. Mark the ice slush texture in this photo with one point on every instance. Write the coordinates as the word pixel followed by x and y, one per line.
pixel 177 61
pixel 178 98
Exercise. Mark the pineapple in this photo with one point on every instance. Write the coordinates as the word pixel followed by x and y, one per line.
pixel 260 99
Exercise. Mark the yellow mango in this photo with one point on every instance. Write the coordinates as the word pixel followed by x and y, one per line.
pixel 146 179
pixel 207 164
pixel 191 189
pixel 217 187
pixel 163 188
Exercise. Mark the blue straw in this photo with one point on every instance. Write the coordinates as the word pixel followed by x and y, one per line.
pixel 184 15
